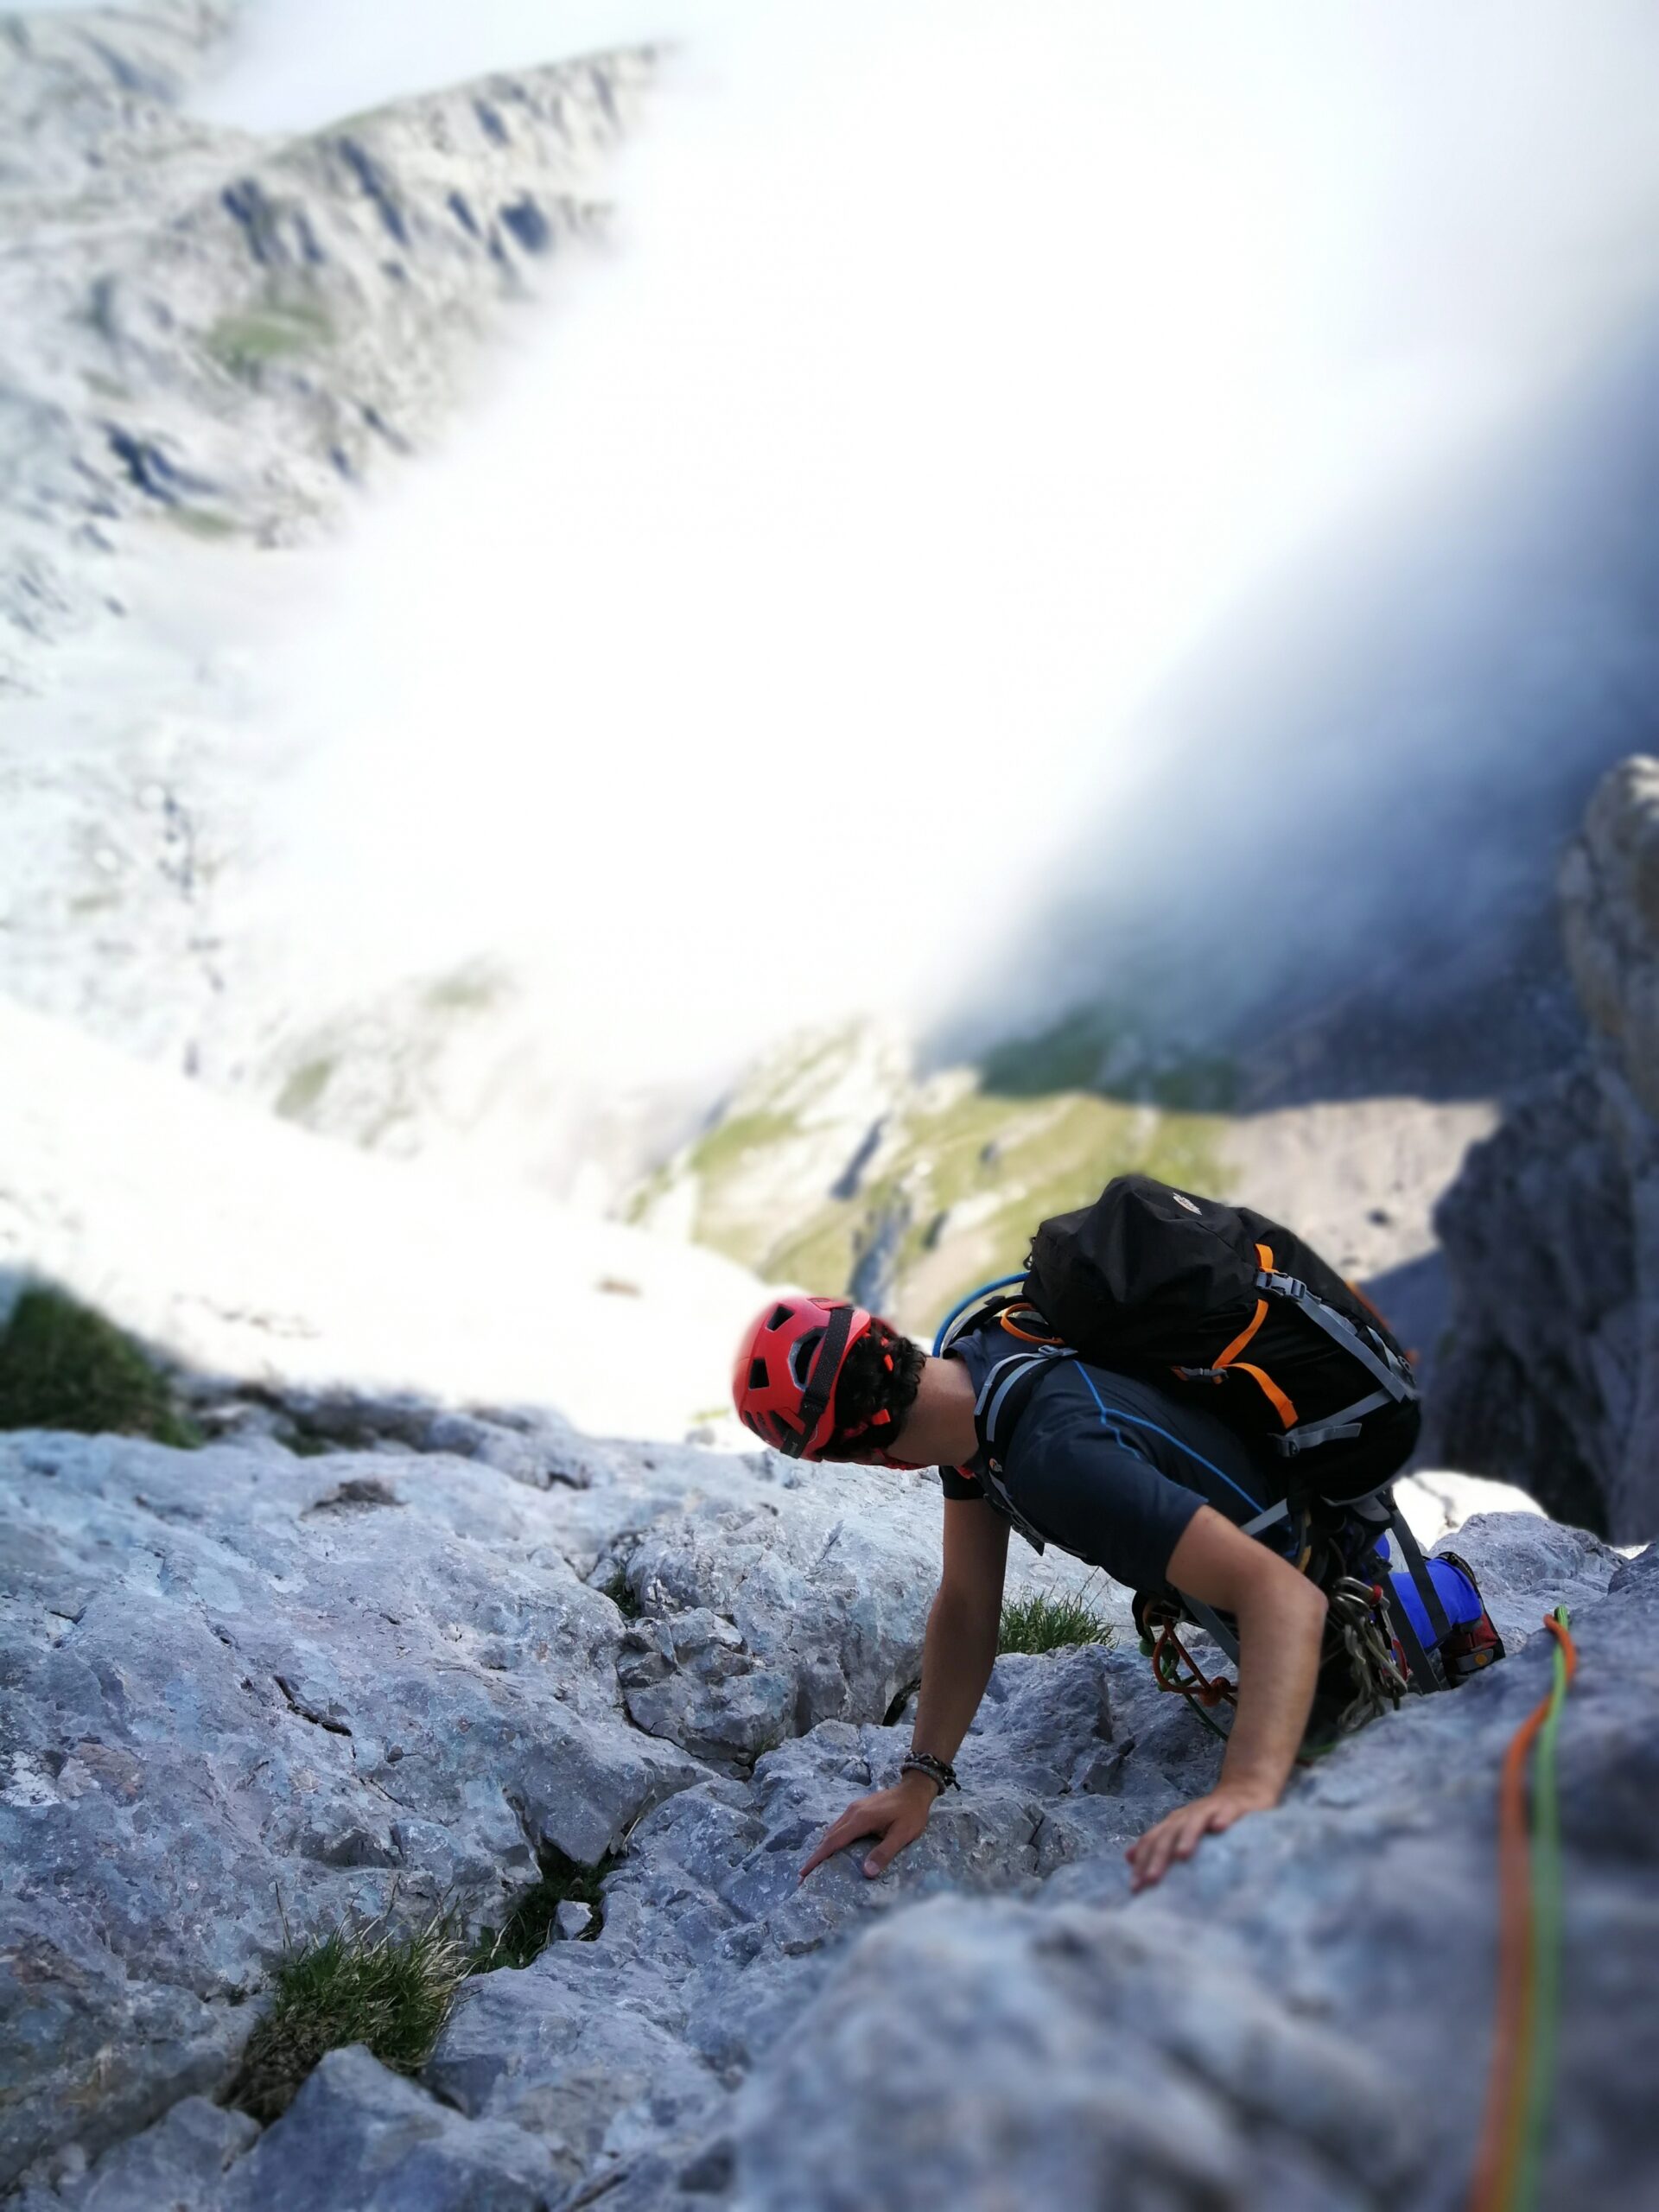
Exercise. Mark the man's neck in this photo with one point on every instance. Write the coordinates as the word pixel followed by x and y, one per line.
pixel 938 1430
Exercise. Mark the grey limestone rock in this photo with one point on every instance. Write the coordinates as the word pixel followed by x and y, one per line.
pixel 762 1621
pixel 358 2139
pixel 711 1945
pixel 1297 2019
pixel 243 1686
pixel 533 1445
pixel 180 2163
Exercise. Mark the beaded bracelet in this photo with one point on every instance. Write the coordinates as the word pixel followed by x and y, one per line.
pixel 936 1771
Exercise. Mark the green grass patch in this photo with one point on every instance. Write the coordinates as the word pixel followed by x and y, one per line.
pixel 355 1984
pixel 304 1090
pixel 529 1928
pixel 1095 1049
pixel 1048 1622
pixel 63 1366
pixel 820 1256
pixel 244 343
pixel 467 990
pixel 1067 1056
pixel 726 1145
pixel 1031 1158
pixel 200 522
pixel 619 1591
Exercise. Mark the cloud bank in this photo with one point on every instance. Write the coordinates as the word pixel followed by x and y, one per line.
pixel 821 562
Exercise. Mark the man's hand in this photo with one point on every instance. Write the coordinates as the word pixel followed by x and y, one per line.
pixel 1281 1626
pixel 1178 1834
pixel 895 1817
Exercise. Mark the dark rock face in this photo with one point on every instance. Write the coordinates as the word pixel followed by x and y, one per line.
pixel 1550 1378
pixel 1539 1379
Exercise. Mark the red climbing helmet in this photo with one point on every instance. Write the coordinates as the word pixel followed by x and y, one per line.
pixel 788 1364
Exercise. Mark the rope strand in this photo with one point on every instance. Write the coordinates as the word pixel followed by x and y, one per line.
pixel 1518 2089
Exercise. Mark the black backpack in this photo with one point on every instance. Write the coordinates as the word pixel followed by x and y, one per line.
pixel 1221 1302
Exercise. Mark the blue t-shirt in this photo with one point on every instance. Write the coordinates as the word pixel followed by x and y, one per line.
pixel 1110 1467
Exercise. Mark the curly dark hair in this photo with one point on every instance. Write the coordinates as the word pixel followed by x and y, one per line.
pixel 881 1375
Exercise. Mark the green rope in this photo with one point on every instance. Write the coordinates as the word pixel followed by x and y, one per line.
pixel 1547 1916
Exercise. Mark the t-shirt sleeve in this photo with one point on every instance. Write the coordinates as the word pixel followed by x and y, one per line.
pixel 959 1486
pixel 1092 1494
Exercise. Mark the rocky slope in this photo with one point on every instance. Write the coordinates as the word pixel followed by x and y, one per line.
pixel 835 1165
pixel 244 1687
pixel 208 343
pixel 1552 1230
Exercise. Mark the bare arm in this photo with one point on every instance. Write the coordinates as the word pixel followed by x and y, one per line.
pixel 957 1655
pixel 1280 1619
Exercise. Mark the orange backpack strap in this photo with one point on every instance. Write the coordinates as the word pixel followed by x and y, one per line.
pixel 1026 1336
pixel 1276 1397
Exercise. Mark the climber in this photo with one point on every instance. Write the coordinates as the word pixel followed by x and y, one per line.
pixel 1152 1490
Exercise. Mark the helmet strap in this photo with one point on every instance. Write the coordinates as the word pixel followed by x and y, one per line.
pixel 815 1402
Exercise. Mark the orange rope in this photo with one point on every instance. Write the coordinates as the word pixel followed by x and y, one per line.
pixel 1503 2125
pixel 1170 1656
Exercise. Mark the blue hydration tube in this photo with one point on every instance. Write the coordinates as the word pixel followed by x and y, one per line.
pixel 942 1335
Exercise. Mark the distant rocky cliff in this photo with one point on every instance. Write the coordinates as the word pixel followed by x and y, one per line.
pixel 1551 1375
pixel 834 1164
pixel 208 342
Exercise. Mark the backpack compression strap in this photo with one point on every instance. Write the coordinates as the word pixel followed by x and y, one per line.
pixel 1397 1380
pixel 1398 1384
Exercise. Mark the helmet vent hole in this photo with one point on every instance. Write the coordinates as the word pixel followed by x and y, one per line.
pixel 757 1375
pixel 779 1315
pixel 801 1357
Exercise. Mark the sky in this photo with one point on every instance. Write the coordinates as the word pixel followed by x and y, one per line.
pixel 805 572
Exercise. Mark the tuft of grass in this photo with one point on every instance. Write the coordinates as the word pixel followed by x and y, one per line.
pixel 1044 1622
pixel 472 989
pixel 619 1591
pixel 354 1984
pixel 529 1928
pixel 362 1983
pixel 63 1366
pixel 200 522
pixel 304 1087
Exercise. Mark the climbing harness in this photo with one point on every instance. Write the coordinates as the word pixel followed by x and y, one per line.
pixel 1355 1634
pixel 1507 2166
